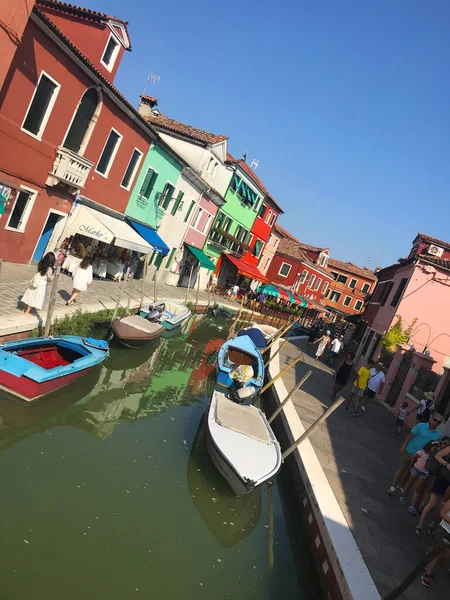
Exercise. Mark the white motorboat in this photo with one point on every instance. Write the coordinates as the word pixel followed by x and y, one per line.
pixel 167 312
pixel 241 444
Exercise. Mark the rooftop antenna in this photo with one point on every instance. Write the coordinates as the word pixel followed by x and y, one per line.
pixel 152 78
pixel 245 156
pixel 254 164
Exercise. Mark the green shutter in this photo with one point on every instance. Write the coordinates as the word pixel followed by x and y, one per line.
pixel 169 260
pixel 189 211
pixel 177 203
pixel 147 185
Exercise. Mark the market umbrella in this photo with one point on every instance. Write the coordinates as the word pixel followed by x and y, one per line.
pixel 268 290
pixel 300 300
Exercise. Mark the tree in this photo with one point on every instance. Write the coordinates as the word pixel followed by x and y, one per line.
pixel 397 335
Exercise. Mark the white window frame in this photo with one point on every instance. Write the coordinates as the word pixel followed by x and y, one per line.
pixel 113 155
pixel 368 289
pixel 47 114
pixel 267 219
pixel 114 55
pixel 349 301
pixel 311 280
pixel 323 260
pixel 325 287
pixel 352 279
pixel 207 222
pixel 275 244
pixel 303 276
pixel 262 248
pixel 356 302
pixel 198 216
pixel 318 284
pixel 331 296
pixel 267 263
pixel 27 211
pixel 282 265
pixel 133 174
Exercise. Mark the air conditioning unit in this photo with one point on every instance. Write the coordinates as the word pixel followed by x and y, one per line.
pixel 435 250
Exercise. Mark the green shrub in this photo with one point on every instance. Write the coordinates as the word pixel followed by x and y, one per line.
pixel 397 335
pixel 83 323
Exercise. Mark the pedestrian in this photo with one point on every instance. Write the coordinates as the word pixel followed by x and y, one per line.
pixel 213 283
pixel 336 346
pixel 342 374
pixel 82 279
pixel 313 333
pixel 438 466
pixel 442 538
pixel 322 344
pixel 414 441
pixel 418 475
pixel 424 408
pixel 359 387
pixel 234 291
pixel 401 416
pixel 34 296
pixel 375 384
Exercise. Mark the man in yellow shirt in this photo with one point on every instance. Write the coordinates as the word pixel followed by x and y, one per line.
pixel 359 387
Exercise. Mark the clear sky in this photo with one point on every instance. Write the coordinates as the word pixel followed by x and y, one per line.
pixel 345 103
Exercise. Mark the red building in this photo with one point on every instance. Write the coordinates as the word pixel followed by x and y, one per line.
pixel 64 128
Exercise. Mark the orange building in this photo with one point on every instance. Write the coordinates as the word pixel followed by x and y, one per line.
pixel 350 287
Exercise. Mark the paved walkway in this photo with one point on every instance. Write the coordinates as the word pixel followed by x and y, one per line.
pixel 359 456
pixel 14 280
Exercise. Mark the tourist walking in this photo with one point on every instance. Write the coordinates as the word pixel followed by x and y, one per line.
pixel 359 387
pixel 342 374
pixel 323 343
pixel 424 409
pixel 335 348
pixel 375 384
pixel 443 537
pixel 419 435
pixel 400 420
pixel 417 476
pixel 34 296
pixel 82 279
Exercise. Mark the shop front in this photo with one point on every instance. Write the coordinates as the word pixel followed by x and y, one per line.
pixel 233 271
pixel 191 262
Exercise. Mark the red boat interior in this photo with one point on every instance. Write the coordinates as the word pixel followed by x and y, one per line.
pixel 49 357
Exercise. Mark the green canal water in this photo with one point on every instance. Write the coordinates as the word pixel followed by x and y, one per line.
pixel 108 492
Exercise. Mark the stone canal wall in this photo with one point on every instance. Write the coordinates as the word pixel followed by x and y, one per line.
pixel 341 567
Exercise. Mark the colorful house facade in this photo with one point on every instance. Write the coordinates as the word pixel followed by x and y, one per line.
pixel 350 288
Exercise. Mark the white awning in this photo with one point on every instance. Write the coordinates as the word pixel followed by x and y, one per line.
pixel 94 224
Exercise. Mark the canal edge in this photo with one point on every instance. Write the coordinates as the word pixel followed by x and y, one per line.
pixel 340 564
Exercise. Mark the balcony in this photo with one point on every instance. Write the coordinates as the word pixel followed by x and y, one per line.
pixel 69 169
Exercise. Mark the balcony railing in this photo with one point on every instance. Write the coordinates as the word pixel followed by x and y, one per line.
pixel 70 169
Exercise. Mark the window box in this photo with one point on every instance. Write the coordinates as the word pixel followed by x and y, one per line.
pixel 70 169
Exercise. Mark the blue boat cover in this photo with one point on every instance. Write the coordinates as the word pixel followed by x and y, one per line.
pixel 151 237
pixel 256 335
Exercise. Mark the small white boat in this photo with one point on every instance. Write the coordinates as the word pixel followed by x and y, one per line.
pixel 170 314
pixel 241 444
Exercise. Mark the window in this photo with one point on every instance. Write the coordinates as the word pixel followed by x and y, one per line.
pixel 275 244
pixel 82 119
pixel 258 200
pixel 177 205
pixel 323 260
pixel 41 105
pixel 257 248
pixel 189 211
pixel 358 305
pixel 303 276
pixel 272 219
pixel 399 292
pixel 211 165
pixel 206 223
pixel 148 184
pixel 378 291
pixel 197 218
pixel 335 275
pixel 166 196
pixel 353 283
pixel 328 292
pixel 311 281
pixel 269 214
pixel 109 153
pixel 347 300
pixel 342 279
pixel 317 286
pixel 267 263
pixel 335 296
pixel 284 269
pixel 131 169
pixel 262 211
pixel 21 210
pixel 325 287
pixel 110 53
pixel 365 288
pixel 386 291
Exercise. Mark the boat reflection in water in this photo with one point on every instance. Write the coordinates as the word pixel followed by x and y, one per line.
pixel 230 519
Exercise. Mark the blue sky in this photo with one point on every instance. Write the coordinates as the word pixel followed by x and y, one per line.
pixel 344 103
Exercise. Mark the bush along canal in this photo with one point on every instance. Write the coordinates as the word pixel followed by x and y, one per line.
pixel 109 493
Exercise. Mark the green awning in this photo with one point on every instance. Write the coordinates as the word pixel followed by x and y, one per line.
pixel 204 260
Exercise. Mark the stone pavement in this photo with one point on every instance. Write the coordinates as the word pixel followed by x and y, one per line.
pixel 14 280
pixel 358 456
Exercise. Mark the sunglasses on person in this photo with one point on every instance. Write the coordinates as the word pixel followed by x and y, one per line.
pixel 436 420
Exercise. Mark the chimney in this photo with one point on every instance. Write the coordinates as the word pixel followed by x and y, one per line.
pixel 146 105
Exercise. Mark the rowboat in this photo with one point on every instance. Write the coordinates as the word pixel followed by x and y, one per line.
pixel 170 314
pixel 240 367
pixel 135 331
pixel 32 368
pixel 241 444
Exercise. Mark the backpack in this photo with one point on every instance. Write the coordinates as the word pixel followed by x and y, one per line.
pixel 426 413
pixel 432 465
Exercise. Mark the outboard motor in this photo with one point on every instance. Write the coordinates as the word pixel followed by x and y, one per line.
pixel 153 316
pixel 242 393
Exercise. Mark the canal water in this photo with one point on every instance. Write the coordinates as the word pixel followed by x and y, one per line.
pixel 108 492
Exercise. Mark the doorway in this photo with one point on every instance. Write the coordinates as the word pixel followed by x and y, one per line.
pixel 46 234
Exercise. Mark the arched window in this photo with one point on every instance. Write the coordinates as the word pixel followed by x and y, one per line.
pixel 85 116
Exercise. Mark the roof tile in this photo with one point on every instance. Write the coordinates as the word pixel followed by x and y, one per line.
pixel 78 10
pixel 351 268
pixel 187 130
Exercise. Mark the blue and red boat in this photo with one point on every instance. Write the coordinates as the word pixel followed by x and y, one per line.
pixel 32 368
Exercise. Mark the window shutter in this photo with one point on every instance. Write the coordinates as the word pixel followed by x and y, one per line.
pixel 177 203
pixel 44 92
pixel 386 292
pixel 148 183
pixel 83 117
pixel 399 292
pixel 107 153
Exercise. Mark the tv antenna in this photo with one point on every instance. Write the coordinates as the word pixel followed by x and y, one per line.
pixel 254 164
pixel 152 79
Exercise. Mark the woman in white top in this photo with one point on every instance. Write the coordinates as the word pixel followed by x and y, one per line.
pixel 34 297
pixel 82 278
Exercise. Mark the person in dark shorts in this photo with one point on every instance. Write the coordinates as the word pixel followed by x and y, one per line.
pixel 342 374
pixel 443 535
pixel 401 416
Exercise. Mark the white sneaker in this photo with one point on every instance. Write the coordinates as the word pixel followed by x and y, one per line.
pixel 391 491
pixel 363 408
